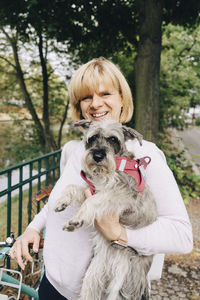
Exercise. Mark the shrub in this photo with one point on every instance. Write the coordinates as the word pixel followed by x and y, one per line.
pixel 187 180
pixel 197 121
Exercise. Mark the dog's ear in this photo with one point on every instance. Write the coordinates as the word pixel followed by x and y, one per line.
pixel 131 134
pixel 84 124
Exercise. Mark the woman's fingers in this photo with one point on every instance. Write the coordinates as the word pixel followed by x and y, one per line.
pixel 19 255
pixel 12 252
pixel 25 251
pixel 88 193
pixel 36 244
pixel 20 249
pixel 109 226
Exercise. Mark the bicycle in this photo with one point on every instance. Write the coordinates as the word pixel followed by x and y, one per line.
pixel 12 278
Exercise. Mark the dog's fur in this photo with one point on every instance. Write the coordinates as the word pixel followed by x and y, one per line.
pixel 118 273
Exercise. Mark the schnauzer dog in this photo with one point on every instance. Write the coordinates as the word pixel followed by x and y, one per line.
pixel 117 273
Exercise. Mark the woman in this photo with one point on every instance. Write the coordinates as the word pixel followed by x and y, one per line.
pixel 99 91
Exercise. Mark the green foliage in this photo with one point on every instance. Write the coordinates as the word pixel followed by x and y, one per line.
pixel 187 180
pixel 126 65
pixel 19 143
pixel 71 134
pixel 180 79
pixel 9 87
pixel 197 122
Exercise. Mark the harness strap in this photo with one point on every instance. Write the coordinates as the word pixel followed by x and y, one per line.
pixel 135 168
pixel 91 186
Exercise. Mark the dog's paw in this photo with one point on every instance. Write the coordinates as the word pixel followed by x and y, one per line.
pixel 61 204
pixel 60 207
pixel 72 225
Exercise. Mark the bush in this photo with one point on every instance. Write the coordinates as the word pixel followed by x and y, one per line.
pixel 187 180
pixel 19 143
pixel 197 122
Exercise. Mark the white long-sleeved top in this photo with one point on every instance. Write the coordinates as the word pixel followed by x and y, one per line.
pixel 67 254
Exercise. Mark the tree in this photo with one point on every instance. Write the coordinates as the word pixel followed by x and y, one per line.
pixel 180 84
pixel 103 28
pixel 12 43
pixel 147 68
pixel 107 27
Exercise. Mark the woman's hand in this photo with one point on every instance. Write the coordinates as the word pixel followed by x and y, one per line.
pixel 109 225
pixel 20 249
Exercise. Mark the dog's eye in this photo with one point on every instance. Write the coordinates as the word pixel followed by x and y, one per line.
pixel 92 139
pixel 115 143
pixel 112 140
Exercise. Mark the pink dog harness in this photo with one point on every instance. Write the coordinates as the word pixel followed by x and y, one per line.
pixel 135 168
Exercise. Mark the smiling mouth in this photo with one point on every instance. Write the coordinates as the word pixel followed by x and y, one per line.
pixel 99 115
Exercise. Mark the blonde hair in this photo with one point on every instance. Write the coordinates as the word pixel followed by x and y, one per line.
pixel 86 80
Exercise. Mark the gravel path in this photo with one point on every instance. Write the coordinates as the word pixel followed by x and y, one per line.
pixel 181 273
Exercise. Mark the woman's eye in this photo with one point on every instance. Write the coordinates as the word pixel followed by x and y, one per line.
pixel 106 94
pixel 86 98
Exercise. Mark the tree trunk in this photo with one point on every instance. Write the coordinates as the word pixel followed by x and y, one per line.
pixel 147 68
pixel 50 143
pixel 27 98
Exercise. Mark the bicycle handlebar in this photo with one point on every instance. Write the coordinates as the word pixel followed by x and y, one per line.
pixel 10 240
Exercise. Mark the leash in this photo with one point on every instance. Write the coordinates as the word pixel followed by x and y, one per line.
pixel 135 168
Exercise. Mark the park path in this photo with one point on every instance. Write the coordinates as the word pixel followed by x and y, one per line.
pixel 191 140
pixel 181 273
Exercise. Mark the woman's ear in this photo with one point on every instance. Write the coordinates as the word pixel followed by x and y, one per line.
pixel 84 124
pixel 131 134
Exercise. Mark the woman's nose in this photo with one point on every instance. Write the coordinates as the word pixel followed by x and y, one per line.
pixel 97 101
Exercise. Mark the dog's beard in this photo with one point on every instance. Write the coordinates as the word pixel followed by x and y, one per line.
pixel 98 170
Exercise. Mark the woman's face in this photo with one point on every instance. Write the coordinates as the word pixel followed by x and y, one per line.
pixel 104 104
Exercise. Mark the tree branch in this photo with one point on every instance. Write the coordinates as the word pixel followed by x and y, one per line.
pixel 8 62
pixel 62 124
pixel 188 48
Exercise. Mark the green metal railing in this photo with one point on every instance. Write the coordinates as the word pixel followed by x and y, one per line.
pixel 41 171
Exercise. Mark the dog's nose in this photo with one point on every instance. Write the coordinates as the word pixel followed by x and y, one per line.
pixel 99 155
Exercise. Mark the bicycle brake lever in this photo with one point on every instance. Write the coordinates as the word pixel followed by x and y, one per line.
pixel 10 240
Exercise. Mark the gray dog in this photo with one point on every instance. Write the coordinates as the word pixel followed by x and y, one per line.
pixel 117 273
